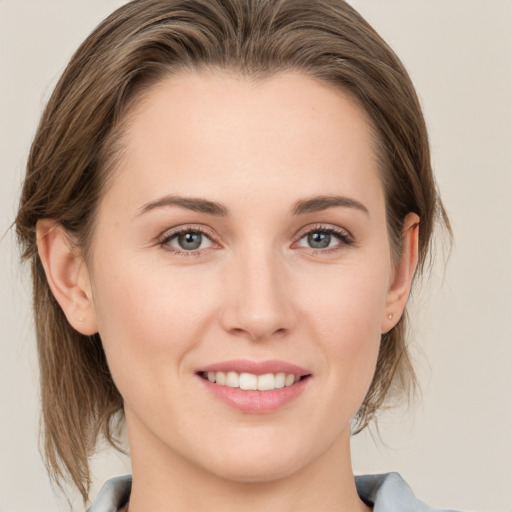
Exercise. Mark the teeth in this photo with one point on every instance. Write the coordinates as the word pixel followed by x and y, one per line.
pixel 247 381
pixel 266 382
pixel 290 379
pixel 232 380
pixel 279 380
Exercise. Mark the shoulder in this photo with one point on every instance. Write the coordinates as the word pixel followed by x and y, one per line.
pixel 389 492
pixel 113 496
pixel 385 492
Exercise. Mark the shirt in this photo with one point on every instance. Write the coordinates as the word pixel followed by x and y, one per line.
pixel 387 492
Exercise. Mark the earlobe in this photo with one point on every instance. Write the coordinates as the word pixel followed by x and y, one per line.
pixel 400 285
pixel 67 275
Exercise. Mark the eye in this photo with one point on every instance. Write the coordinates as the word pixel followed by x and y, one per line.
pixel 321 238
pixel 186 240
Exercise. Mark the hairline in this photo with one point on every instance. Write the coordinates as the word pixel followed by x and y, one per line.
pixel 113 149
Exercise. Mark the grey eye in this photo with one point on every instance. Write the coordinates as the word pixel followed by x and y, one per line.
pixel 325 238
pixel 319 240
pixel 190 240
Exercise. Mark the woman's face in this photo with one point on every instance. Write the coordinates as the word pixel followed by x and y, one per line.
pixel 244 232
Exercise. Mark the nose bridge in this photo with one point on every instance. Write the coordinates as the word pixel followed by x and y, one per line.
pixel 259 304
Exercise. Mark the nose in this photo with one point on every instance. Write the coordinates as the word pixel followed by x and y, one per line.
pixel 258 297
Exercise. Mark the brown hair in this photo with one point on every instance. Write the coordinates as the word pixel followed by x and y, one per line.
pixel 76 146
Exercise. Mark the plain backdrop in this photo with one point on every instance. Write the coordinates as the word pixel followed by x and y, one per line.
pixel 454 446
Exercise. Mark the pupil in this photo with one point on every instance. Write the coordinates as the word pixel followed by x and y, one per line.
pixel 190 241
pixel 319 240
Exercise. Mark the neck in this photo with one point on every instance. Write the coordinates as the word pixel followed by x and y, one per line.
pixel 162 480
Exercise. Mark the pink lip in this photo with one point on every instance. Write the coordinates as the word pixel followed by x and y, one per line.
pixel 255 367
pixel 254 401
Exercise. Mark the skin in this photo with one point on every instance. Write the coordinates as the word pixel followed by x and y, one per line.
pixel 255 290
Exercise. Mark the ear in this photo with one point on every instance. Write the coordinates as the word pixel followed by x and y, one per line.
pixel 67 275
pixel 401 280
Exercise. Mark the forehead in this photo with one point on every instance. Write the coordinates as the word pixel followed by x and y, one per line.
pixel 219 135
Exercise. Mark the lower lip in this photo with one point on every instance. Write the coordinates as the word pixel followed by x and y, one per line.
pixel 254 401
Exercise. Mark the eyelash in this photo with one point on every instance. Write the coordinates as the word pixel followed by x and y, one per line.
pixel 346 240
pixel 168 236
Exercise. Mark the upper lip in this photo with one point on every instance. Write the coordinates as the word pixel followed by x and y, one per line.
pixel 255 367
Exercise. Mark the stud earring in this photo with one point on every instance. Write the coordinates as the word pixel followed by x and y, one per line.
pixel 390 316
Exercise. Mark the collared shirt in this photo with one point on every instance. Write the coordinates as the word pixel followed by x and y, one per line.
pixel 385 493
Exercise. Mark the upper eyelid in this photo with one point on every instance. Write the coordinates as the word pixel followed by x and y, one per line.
pixel 301 233
pixel 208 231
pixel 321 227
pixel 169 233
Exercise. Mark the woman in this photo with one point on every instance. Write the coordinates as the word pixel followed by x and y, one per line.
pixel 225 206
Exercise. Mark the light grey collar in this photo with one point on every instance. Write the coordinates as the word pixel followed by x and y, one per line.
pixel 387 492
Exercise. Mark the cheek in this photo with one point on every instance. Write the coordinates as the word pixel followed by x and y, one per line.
pixel 346 302
pixel 346 320
pixel 146 316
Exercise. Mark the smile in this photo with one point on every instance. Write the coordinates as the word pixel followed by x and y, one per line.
pixel 250 381
pixel 255 387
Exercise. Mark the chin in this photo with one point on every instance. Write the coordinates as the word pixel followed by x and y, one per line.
pixel 257 471
pixel 258 463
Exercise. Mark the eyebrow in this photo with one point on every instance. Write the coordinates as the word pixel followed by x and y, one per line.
pixel 190 203
pixel 196 204
pixel 320 203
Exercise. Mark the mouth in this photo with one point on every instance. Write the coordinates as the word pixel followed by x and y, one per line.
pixel 255 387
pixel 251 381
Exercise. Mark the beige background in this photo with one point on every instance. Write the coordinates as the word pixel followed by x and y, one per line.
pixel 455 446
